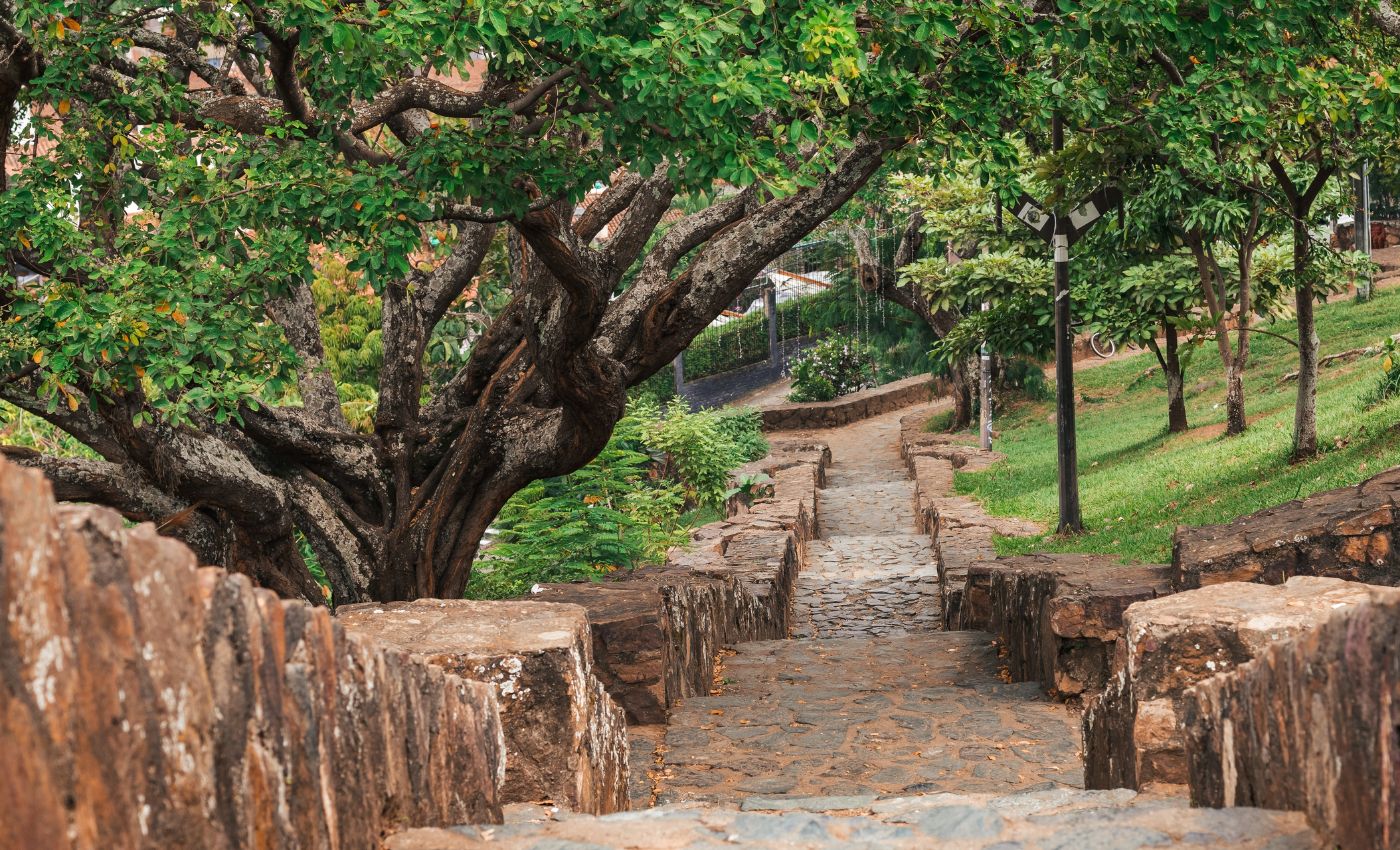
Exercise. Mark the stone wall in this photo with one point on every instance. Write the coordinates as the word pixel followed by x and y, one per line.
pixel 849 408
pixel 1133 732
pixel 1309 725
pixel 961 531
pixel 656 632
pixel 150 704
pixel 566 740
pixel 1346 533
pixel 1059 617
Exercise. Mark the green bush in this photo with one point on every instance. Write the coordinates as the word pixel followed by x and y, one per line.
pixel 701 448
pixel 743 426
pixel 833 367
pixel 1027 378
pixel 626 507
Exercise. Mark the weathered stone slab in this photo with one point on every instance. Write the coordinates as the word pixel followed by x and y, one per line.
pixel 1133 733
pixel 1058 819
pixel 566 740
pixel 150 704
pixel 848 408
pixel 959 549
pixel 656 632
pixel 1058 616
pixel 1308 725
pixel 1345 533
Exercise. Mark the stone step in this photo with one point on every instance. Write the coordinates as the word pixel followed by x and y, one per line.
pixel 855 585
pixel 883 507
pixel 919 713
pixel 1061 819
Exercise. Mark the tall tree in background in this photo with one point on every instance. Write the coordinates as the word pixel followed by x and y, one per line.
pixel 182 167
pixel 1250 107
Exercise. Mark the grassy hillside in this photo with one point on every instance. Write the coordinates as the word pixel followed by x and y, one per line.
pixel 1137 483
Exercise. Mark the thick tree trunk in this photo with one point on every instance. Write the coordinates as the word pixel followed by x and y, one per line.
pixel 964 391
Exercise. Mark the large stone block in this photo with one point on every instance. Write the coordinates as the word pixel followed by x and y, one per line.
pixel 149 704
pixel 656 632
pixel 566 740
pixel 1058 617
pixel 1346 533
pixel 1133 731
pixel 1309 725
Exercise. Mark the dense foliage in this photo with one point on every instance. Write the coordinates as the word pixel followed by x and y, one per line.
pixel 626 507
pixel 835 366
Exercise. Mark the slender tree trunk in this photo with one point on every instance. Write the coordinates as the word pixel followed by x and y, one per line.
pixel 1300 203
pixel 1305 414
pixel 1170 361
pixel 1235 422
pixel 1176 385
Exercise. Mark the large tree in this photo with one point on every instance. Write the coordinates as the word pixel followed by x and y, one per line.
pixel 182 167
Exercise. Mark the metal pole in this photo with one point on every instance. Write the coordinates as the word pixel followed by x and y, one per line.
pixel 985 389
pixel 678 373
pixel 1067 452
pixel 1363 227
pixel 770 306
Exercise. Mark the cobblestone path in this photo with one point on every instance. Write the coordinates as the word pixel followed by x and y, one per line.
pixel 868 698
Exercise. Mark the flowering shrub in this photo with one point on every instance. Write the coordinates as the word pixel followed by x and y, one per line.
pixel 833 367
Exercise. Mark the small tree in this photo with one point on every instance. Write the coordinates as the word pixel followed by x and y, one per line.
pixel 1152 298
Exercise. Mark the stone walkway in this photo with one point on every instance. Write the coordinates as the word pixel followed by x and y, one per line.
pixel 1049 820
pixel 875 700
pixel 871 728
pixel 870 574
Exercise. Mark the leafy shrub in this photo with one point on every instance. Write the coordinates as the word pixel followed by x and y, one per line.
pixel 1027 378
pixel 701 449
pixel 614 513
pixel 1389 384
pixel 626 507
pixel 833 367
pixel 743 426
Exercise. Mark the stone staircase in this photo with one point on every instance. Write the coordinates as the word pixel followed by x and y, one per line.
pixel 873 727
pixel 1062 819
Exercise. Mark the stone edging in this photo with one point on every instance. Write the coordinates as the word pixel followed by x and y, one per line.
pixel 1346 533
pixel 1308 725
pixel 657 632
pixel 156 704
pixel 849 408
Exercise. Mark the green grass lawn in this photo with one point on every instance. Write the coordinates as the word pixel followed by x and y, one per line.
pixel 1137 483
